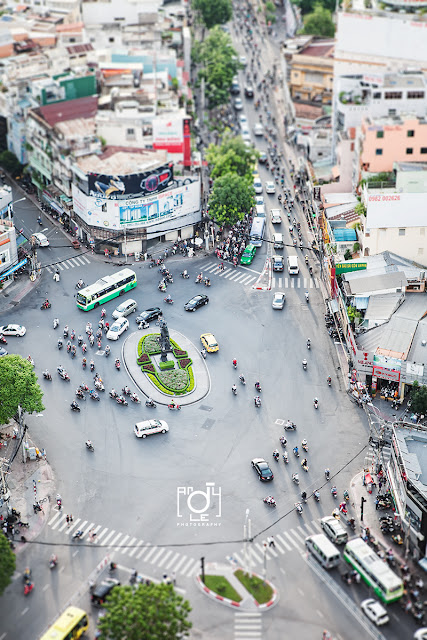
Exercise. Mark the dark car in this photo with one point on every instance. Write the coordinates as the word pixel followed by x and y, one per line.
pixel 249 91
pixel 263 470
pixel 262 157
pixel 102 590
pixel 149 314
pixel 196 302
pixel 235 89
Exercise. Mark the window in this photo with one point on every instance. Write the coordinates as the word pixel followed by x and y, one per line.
pixel 378 152
pixel 423 150
pixel 380 134
pixel 402 232
pixel 409 151
pixel 393 95
pixel 111 39
pixel 377 95
pixel 415 95
pixel 410 133
pixel 4 257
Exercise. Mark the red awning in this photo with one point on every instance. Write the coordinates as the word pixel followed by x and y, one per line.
pixel 368 478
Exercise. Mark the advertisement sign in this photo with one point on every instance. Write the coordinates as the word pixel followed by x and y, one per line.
pixel 130 186
pixel 388 210
pixel 345 267
pixel 187 143
pixel 365 361
pixel 386 374
pixel 350 340
pixel 136 212
pixel 387 362
pixel 168 134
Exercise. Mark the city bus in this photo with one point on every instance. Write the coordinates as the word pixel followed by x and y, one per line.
pixel 105 289
pixel 70 625
pixel 257 231
pixel 374 571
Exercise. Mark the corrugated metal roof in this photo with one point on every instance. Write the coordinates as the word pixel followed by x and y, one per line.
pixel 381 282
pixel 418 352
pixel 380 308
pixel 69 110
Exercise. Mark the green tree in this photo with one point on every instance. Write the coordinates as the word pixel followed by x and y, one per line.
pixel 231 156
pixel 213 13
pixel 219 64
pixel 307 6
pixel 319 22
pixel 19 387
pixel 360 209
pixel 10 163
pixel 7 563
pixel 231 198
pixel 419 398
pixel 149 612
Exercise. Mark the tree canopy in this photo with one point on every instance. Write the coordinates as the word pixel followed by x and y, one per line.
pixel 10 162
pixel 319 22
pixel 419 399
pixel 213 13
pixel 219 64
pixel 307 6
pixel 232 197
pixel 147 612
pixel 231 156
pixel 19 387
pixel 7 562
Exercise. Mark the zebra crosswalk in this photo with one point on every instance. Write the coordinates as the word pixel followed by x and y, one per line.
pixel 247 625
pixel 76 261
pixel 248 277
pixel 284 542
pixel 164 558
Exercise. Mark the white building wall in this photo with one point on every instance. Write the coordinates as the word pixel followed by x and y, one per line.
pixel 412 245
pixel 121 11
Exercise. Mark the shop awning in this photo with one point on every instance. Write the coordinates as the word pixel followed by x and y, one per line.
pixel 368 478
pixel 12 269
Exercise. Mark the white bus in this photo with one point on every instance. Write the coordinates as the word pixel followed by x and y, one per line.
pixel 105 289
pixel 257 231
pixel 374 571
pixel 323 550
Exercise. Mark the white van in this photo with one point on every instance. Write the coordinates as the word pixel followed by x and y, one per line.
pixel 125 308
pixel 148 427
pixel 40 240
pixel 260 211
pixel 323 550
pixel 334 529
pixel 278 241
pixel 293 268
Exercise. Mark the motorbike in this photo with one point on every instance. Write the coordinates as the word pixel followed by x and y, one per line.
pixel 283 441
pixel 304 445
pixel 285 457
pixel 80 284
pixel 257 402
pixel 307 297
pixel 174 406
pixel 84 387
pixel 99 385
pixel 308 345
pixel 92 365
pixel 52 563
pixel 113 393
pixel 299 507
pixel 80 394
pixel 258 387
pixel 295 478
pixel 329 381
pixel 29 586
pixel 168 300
pixel 346 495
pixel 316 496
pixel 304 465
pixel 89 445
pixel 150 403
pixel 117 365
pixel 304 365
pixel 94 395
pixel 45 305
pixel 126 391
pixel 84 363
pixel 74 406
pixel 270 501
pixel 65 332
pixel 78 534
pixel 295 452
pixel 242 379
pixel 184 275
pixel 234 390
pixel 46 375
pixel 290 426
pixel 235 364
pixel 276 455
pixel 55 323
pixel 107 351
pixel 334 491
pixel 135 398
pixel 316 403
pixel 327 474
pixel 397 538
pixel 122 400
pixel 63 374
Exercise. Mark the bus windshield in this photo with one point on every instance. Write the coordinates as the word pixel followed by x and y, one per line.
pixel 105 289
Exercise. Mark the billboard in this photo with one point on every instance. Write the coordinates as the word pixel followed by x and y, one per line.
pixel 134 185
pixel 137 212
pixel 168 133
pixel 385 210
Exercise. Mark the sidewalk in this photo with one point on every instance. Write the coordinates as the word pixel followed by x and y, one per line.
pixel 12 295
pixel 202 381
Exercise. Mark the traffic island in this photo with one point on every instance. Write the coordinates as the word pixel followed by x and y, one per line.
pixel 236 588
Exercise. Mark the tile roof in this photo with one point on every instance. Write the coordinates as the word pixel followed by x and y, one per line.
pixel 69 110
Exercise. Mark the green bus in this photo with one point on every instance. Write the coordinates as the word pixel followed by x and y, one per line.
pixel 105 289
pixel 374 571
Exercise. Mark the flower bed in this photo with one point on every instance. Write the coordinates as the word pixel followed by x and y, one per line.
pixel 169 380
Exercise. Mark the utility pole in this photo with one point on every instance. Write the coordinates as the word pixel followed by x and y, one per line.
pixel 246 538
pixel 202 565
pixel 362 500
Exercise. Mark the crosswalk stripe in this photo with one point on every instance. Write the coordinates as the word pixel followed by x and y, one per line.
pixel 150 553
pixel 188 569
pixel 292 283
pixel 172 560
pixel 280 282
pixel 65 265
pixel 286 283
pixel 255 555
pixel 74 262
pixel 64 526
pixel 60 266
pixel 121 543
pixel 98 537
pixel 180 563
pixel 49 269
pixel 141 553
pixel 157 555
pixel 302 533
pixel 165 557
pixel 85 259
pixel 89 528
pixel 309 529
pixel 133 551
pixel 285 544
pixel 131 543
pixel 119 535
pixel 273 552
pixel 316 525
pixel 298 283
pixel 57 514
pixel 238 558
pixel 277 546
pixel 235 275
pixel 240 276
pixel 210 268
pixel 61 519
pixel 297 546
pixel 227 273
pixel 110 535
pixel 248 280
pixel 73 526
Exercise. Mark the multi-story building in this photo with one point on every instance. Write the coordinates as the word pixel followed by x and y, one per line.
pixel 311 72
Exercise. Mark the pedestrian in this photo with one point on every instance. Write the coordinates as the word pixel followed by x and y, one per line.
pixel 71 517
pixel 173 578
pixel 376 503
pixel 271 542
pixel 67 520
pixel 363 480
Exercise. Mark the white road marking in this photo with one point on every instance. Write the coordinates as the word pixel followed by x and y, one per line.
pixel 170 563
pixel 283 542
pixel 24 611
pixel 165 557
pixel 150 553
pixel 133 551
pixel 46 587
pixel 180 563
pixel 53 519
pixel 108 537
pixel 157 555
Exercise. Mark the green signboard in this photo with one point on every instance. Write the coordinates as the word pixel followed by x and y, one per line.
pixel 345 267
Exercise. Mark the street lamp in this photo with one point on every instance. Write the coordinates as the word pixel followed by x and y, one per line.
pixel 246 536
pixel 10 207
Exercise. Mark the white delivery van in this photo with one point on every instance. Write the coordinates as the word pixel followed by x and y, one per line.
pixel 323 550
pixel 278 241
pixel 293 268
pixel 40 239
pixel 260 211
pixel 148 427
pixel 334 529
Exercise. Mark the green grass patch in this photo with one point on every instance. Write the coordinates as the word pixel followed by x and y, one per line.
pixel 169 364
pixel 222 587
pixel 257 588
pixel 168 379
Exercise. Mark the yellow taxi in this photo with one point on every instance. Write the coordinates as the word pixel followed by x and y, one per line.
pixel 209 342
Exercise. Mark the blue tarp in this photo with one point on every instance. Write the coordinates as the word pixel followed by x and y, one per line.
pixel 12 269
pixel 345 235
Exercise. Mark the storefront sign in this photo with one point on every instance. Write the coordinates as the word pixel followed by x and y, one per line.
pixel 386 374
pixel 365 361
pixel 374 383
pixel 387 362
pixel 133 185
pixel 346 267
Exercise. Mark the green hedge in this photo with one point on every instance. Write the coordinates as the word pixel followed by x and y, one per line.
pixel 172 381
pixel 169 364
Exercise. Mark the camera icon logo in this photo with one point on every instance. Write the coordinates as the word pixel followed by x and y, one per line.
pixel 197 506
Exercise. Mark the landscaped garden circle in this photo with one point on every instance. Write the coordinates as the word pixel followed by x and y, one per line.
pixel 174 377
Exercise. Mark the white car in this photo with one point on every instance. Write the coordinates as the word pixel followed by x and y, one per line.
pixel 238 104
pixel 125 308
pixel 148 427
pixel 242 60
pixel 270 187
pixel 276 218
pixel 258 185
pixel 258 129
pixel 278 300
pixel 117 328
pixel 375 611
pixel 421 634
pixel 243 121
pixel 259 200
pixel 13 330
pixel 246 138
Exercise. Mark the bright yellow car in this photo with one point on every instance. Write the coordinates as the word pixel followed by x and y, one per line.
pixel 209 342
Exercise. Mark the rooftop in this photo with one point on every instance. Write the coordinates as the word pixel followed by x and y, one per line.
pixel 122 161
pixel 369 283
pixel 401 80
pixel 321 49
pixel 413 449
pixel 69 110
pixel 410 166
